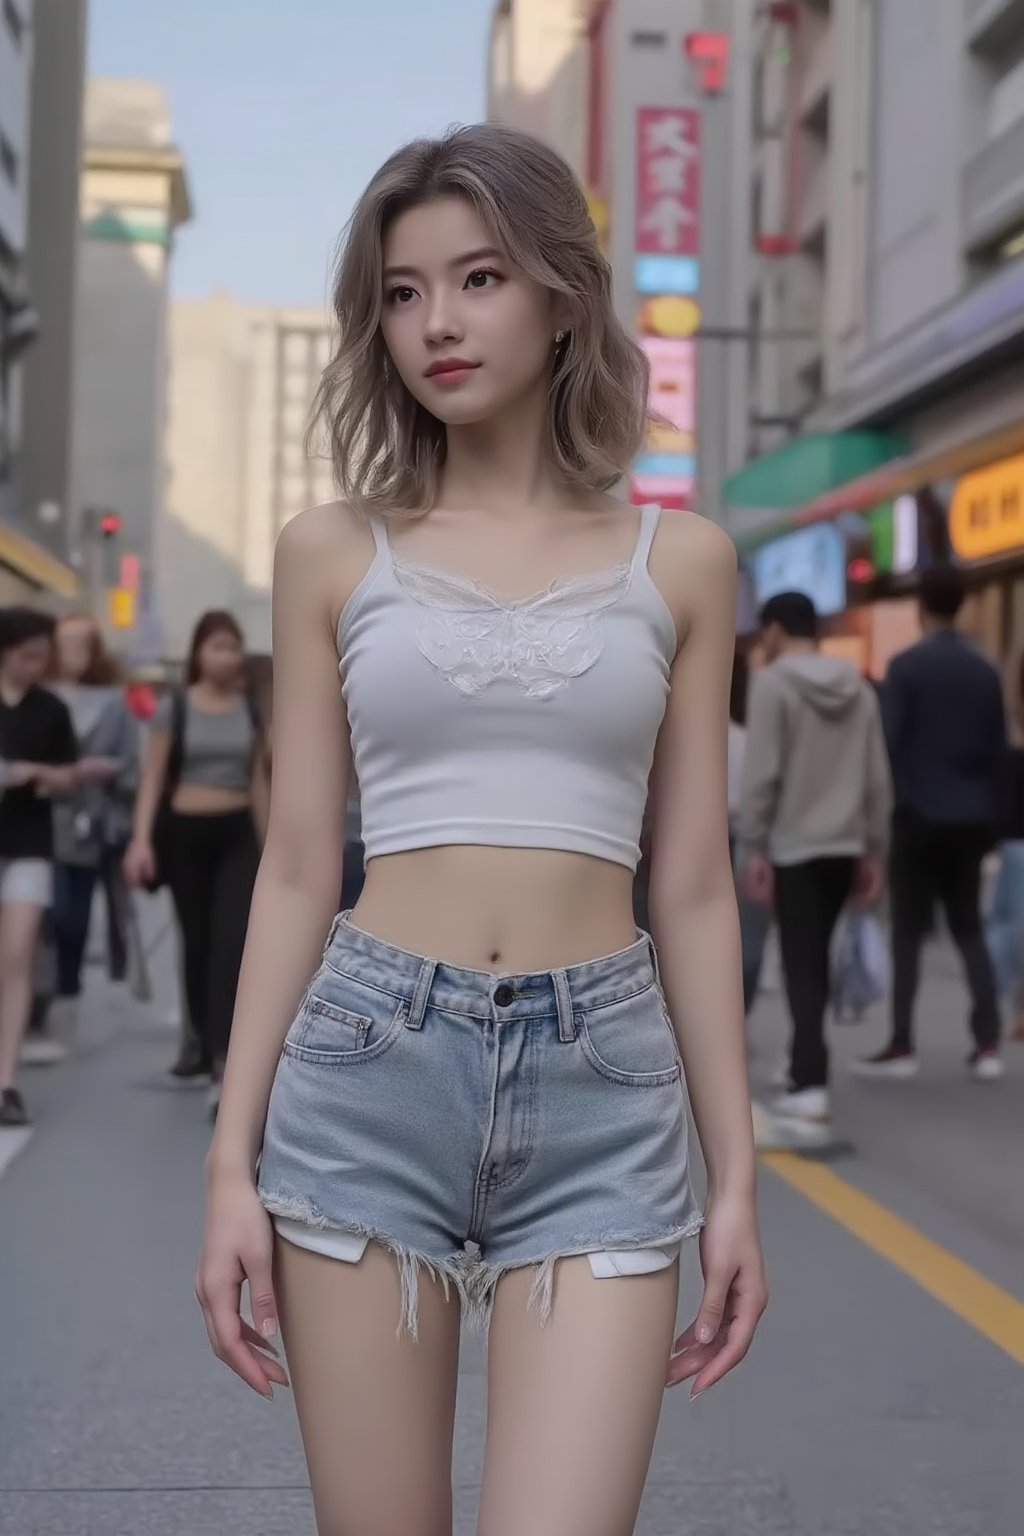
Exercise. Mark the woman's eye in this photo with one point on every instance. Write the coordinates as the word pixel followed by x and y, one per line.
pixel 401 295
pixel 482 278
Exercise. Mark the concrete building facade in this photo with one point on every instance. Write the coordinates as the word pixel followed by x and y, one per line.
pixel 134 196
pixel 242 380
pixel 18 319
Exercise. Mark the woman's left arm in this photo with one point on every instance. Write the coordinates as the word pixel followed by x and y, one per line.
pixel 695 926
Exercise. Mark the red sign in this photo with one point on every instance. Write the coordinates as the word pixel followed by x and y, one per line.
pixel 130 572
pixel 668 181
pixel 673 393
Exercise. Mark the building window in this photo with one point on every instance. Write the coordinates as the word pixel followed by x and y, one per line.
pixel 8 159
pixel 14 22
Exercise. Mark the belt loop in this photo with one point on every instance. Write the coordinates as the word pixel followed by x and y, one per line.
pixel 335 925
pixel 654 959
pixel 418 1006
pixel 563 1002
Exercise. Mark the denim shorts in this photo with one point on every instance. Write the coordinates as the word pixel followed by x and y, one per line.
pixel 474 1123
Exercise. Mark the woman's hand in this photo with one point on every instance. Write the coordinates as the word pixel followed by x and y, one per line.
pixel 735 1296
pixel 238 1245
pixel 139 864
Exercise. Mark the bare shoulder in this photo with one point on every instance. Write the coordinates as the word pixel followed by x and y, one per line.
pixel 694 563
pixel 328 548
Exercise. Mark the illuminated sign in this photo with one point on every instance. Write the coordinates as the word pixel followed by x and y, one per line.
pixel 666 274
pixel 812 560
pixel 986 515
pixel 672 398
pixel 668 181
pixel 668 315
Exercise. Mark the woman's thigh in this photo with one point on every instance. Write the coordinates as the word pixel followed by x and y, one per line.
pixel 573 1405
pixel 376 1411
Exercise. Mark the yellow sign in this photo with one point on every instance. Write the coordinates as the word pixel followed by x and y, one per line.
pixel 986 515
pixel 663 437
pixel 668 315
pixel 122 607
pixel 598 209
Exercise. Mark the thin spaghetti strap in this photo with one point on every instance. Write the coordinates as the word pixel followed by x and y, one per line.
pixel 380 538
pixel 650 516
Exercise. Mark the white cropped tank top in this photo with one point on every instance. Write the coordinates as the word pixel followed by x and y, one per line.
pixel 525 724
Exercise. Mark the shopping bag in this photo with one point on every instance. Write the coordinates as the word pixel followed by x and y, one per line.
pixel 860 967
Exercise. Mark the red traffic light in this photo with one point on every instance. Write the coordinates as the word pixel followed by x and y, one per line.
pixel 709 52
pixel 110 523
pixel 860 570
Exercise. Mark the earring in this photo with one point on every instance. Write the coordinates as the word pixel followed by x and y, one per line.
pixel 560 337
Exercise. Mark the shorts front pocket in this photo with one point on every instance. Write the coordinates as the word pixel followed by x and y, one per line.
pixel 328 1035
pixel 631 1041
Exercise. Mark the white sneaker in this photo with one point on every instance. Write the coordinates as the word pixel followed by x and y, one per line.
pixel 41 1051
pixel 806 1104
pixel 986 1066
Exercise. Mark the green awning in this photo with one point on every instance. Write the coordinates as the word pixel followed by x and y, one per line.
pixel 809 466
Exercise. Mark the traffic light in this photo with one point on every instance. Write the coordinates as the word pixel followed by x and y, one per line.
pixel 110 524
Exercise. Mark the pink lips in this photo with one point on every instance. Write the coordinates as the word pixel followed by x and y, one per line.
pixel 448 371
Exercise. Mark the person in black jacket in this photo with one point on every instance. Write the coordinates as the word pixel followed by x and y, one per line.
pixel 945 725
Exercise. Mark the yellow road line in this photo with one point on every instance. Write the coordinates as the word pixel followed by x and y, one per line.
pixel 987 1307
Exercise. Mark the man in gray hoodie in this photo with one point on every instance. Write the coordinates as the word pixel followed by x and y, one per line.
pixel 814 821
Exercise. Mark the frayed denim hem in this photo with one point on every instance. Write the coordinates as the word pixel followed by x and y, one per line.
pixel 474 1279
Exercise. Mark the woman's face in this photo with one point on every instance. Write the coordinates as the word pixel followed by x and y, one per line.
pixel 450 297
pixel 221 659
pixel 75 642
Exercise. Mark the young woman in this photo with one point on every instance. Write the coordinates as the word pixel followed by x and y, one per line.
pixel 475 1101
pixel 204 752
pixel 92 827
pixel 37 762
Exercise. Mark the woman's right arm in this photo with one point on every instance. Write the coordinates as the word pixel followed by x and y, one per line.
pixel 295 899
pixel 140 862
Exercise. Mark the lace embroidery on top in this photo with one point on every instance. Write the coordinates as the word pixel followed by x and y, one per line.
pixel 473 637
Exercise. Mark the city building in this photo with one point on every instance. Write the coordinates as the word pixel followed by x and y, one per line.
pixel 888 293
pixel 134 196
pixel 649 101
pixel 242 380
pixel 58 88
pixel 28 571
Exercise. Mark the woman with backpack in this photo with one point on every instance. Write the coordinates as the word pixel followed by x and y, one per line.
pixel 198 817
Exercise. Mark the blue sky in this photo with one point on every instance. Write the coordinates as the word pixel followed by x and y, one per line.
pixel 283 109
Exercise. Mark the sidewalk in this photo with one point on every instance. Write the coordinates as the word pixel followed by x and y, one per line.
pixel 866 1406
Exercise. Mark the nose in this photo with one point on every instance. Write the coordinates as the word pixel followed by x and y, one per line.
pixel 443 326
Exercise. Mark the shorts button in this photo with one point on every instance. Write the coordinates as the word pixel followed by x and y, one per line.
pixel 503 995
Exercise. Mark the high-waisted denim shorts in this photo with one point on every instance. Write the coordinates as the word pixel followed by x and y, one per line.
pixel 475 1123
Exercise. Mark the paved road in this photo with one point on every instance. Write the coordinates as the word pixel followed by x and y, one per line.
pixel 868 1406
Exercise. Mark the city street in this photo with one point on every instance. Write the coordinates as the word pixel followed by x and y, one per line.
pixel 885 1392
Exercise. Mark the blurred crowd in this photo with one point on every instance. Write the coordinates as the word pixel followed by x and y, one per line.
pixel 858 813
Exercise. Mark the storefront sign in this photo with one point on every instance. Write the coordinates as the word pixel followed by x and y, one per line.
pixel 668 315
pixel 986 515
pixel 668 181
pixel 812 560
pixel 672 397
pixel 666 274
pixel 122 608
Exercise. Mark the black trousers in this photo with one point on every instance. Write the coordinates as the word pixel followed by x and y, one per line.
pixel 933 865
pixel 211 872
pixel 809 898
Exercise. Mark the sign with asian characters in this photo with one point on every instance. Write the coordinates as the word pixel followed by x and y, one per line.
pixel 986 515
pixel 668 181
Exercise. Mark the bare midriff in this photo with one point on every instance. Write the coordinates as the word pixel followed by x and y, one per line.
pixel 504 910
pixel 208 800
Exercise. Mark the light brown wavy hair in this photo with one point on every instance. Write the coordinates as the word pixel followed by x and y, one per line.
pixel 387 450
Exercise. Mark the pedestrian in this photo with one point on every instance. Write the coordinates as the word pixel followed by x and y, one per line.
pixel 475 1106
pixel 1004 929
pixel 37 762
pixel 755 916
pixel 205 757
pixel 92 825
pixel 945 725
pixel 814 825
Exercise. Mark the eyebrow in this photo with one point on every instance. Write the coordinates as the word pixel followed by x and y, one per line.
pixel 485 252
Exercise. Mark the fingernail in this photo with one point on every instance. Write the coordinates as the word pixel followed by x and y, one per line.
pixel 705 1333
pixel 268 1328
pixel 694 1395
